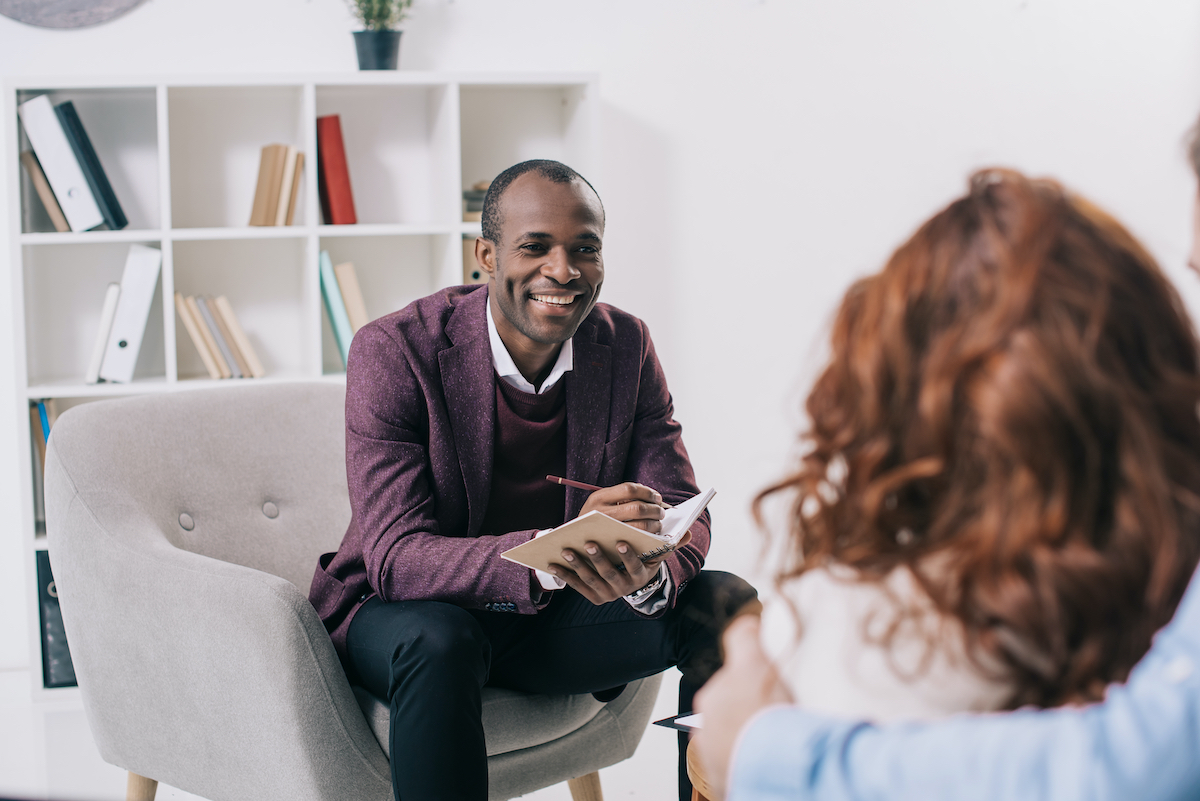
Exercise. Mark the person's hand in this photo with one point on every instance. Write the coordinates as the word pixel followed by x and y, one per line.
pixel 600 580
pixel 746 684
pixel 635 504
pixel 591 573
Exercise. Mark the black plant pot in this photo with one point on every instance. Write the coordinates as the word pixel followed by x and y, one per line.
pixel 377 50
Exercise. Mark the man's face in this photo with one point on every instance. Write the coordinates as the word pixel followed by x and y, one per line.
pixel 547 268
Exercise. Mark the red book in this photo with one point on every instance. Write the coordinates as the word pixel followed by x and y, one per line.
pixel 333 177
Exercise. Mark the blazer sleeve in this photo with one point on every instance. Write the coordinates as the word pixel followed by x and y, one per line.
pixel 397 483
pixel 658 459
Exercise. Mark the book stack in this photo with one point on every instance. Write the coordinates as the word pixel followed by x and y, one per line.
pixel 343 302
pixel 42 415
pixel 218 336
pixel 123 317
pixel 279 171
pixel 473 201
pixel 333 174
pixel 64 169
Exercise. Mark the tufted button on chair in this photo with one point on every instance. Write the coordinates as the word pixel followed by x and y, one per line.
pixel 184 529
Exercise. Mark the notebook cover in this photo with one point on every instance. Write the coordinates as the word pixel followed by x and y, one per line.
pixel 97 179
pixel 57 668
pixel 333 174
pixel 352 296
pixel 295 189
pixel 138 283
pixel 335 306
pixel 107 313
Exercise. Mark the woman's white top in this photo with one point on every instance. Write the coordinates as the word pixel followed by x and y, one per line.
pixel 825 632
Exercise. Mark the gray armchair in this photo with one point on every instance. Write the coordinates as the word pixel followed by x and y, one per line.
pixel 183 531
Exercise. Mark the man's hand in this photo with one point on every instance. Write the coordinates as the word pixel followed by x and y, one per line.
pixel 635 504
pixel 599 580
pixel 746 684
pixel 593 575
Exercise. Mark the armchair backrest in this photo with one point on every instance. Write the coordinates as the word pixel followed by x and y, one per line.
pixel 253 475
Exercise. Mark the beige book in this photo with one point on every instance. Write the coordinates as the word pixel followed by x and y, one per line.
pixel 191 324
pixel 210 341
pixel 266 193
pixel 42 186
pixel 253 364
pixel 352 296
pixel 286 179
pixel 227 335
pixel 294 191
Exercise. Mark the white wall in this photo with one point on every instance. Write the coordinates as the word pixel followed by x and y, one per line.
pixel 758 154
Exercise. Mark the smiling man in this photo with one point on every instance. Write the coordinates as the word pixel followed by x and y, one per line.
pixel 457 408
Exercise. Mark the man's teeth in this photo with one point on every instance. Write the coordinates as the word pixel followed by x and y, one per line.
pixel 555 300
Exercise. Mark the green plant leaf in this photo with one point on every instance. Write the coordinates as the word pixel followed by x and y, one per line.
pixel 379 15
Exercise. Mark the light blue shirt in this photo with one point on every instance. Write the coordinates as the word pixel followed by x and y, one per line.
pixel 1142 742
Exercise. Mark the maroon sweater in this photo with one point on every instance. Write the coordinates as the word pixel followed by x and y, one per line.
pixel 531 443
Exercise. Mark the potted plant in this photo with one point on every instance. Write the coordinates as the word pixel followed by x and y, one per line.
pixel 378 43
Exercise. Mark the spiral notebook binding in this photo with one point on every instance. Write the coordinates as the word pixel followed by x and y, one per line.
pixel 657 552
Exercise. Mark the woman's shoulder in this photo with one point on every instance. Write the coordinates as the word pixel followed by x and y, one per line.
pixel 873 648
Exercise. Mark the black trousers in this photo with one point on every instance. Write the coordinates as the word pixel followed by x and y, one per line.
pixel 431 660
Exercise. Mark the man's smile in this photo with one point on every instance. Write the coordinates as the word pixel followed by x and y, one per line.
pixel 558 301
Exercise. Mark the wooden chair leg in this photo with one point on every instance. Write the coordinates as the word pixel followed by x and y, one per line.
pixel 701 789
pixel 139 788
pixel 586 788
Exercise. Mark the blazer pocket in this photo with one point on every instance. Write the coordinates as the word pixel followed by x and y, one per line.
pixel 616 454
pixel 326 593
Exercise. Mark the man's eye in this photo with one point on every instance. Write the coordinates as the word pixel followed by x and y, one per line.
pixel 588 249
pixel 534 247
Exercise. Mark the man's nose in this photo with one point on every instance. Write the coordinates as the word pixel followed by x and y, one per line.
pixel 558 266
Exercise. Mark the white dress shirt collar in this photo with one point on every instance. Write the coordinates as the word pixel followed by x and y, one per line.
pixel 506 368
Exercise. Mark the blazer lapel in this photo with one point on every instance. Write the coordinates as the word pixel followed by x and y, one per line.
pixel 469 386
pixel 589 392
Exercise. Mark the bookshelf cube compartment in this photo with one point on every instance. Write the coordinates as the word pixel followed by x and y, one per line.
pixel 503 125
pixel 64 294
pixel 392 271
pixel 400 150
pixel 122 125
pixel 264 282
pixel 217 135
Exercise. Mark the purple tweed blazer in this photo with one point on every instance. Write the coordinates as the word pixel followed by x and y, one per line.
pixel 420 430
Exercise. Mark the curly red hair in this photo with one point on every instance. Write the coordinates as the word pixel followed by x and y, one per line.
pixel 1010 411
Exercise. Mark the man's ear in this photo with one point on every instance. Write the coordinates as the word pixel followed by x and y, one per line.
pixel 485 254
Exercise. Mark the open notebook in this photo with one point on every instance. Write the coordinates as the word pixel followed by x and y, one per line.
pixel 604 531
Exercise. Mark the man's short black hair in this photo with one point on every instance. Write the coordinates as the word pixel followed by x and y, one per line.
pixel 554 171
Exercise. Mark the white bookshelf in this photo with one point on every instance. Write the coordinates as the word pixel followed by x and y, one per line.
pixel 182 156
